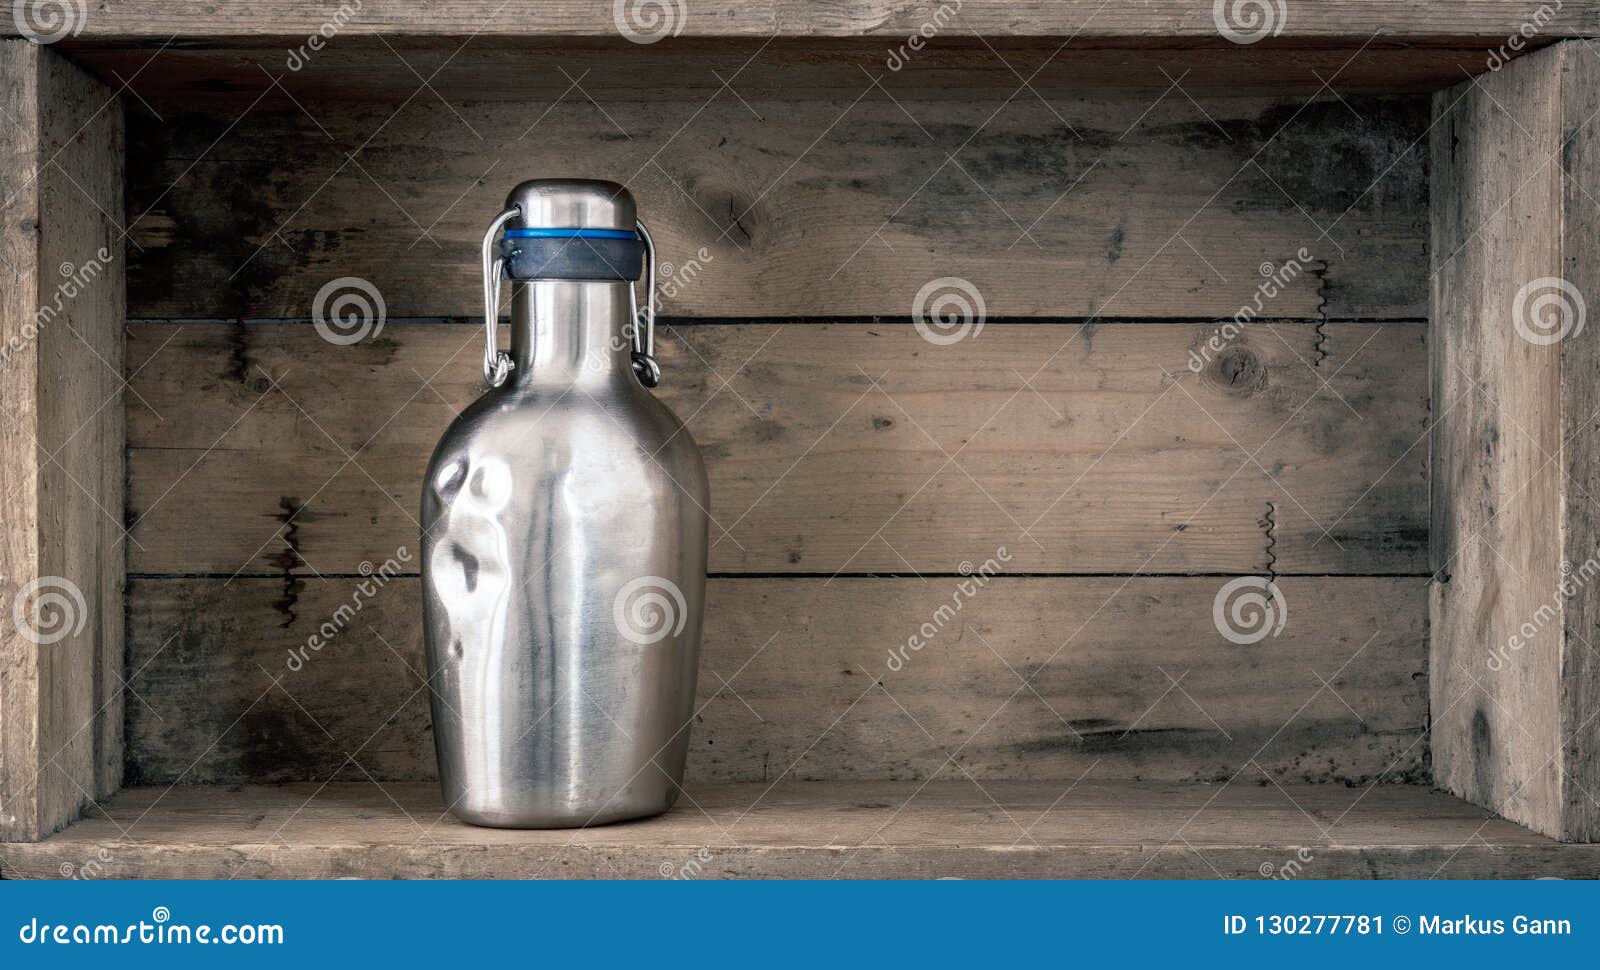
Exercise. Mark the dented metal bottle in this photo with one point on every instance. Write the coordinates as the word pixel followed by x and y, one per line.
pixel 564 536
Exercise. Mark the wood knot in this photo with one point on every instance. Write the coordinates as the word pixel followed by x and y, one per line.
pixel 1237 371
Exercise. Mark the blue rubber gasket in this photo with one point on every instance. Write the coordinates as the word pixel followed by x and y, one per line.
pixel 551 232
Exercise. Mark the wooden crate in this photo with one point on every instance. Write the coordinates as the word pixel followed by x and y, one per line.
pixel 194 479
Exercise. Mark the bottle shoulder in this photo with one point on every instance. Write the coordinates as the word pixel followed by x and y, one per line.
pixel 570 424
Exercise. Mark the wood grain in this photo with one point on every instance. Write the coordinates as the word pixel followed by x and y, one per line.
pixel 1153 20
pixel 235 71
pixel 1514 684
pixel 1579 692
pixel 1097 441
pixel 950 828
pixel 1029 678
pixel 61 442
pixel 840 206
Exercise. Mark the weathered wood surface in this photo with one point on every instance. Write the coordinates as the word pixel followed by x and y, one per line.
pixel 689 70
pixel 847 205
pixel 1579 692
pixel 1154 20
pixel 61 441
pixel 950 828
pixel 1515 686
pixel 797 681
pixel 1098 441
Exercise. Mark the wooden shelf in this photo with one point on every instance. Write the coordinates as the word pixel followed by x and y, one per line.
pixel 1005 829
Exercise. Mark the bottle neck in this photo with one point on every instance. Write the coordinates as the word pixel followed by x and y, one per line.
pixel 570 333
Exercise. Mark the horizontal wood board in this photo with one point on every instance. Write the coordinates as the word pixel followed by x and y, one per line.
pixel 950 828
pixel 261 448
pixel 496 69
pixel 812 679
pixel 1156 20
pixel 1141 207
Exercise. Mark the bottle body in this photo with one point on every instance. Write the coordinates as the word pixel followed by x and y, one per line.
pixel 564 552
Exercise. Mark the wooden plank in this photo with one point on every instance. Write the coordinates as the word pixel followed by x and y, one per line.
pixel 1353 20
pixel 1514 686
pixel 840 206
pixel 1083 449
pixel 1579 691
pixel 797 681
pixel 949 828
pixel 61 443
pixel 517 69
pixel 81 403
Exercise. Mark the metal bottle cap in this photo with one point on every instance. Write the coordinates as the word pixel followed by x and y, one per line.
pixel 572 204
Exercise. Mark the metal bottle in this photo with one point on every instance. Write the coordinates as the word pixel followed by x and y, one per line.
pixel 564 535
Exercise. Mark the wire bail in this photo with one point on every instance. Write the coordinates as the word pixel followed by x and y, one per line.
pixel 644 348
pixel 497 364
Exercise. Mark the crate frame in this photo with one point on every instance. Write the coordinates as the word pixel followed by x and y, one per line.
pixel 1531 755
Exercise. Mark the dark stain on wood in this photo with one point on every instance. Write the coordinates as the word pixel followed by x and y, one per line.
pixel 238 365
pixel 1483 758
pixel 1111 739
pixel 228 220
pixel 273 741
